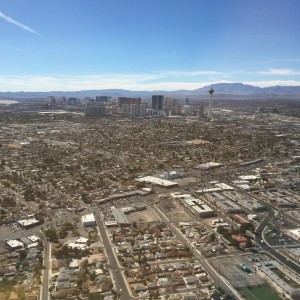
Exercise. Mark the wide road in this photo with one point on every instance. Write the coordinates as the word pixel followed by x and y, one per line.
pixel 45 282
pixel 120 284
pixel 264 246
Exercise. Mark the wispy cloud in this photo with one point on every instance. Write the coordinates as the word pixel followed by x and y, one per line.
pixel 268 83
pixel 18 24
pixel 137 82
pixel 13 48
pixel 280 72
pixel 279 60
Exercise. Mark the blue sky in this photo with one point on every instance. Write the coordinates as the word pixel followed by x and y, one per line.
pixel 147 44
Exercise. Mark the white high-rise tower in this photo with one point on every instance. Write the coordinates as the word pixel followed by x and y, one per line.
pixel 211 91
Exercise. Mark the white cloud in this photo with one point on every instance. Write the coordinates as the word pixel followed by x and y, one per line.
pixel 273 83
pixel 136 82
pixel 280 72
pixel 167 80
pixel 18 24
pixel 280 60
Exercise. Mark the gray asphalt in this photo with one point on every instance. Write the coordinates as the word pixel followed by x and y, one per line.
pixel 120 284
pixel 219 281
pixel 269 249
pixel 45 282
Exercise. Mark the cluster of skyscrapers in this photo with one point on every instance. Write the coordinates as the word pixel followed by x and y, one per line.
pixel 128 107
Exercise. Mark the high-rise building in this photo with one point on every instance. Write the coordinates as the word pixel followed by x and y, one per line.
pixel 51 100
pixel 201 111
pixel 157 102
pixel 134 110
pixel 168 103
pixel 95 111
pixel 101 99
pixel 72 101
pixel 129 101
pixel 143 110
pixel 187 110
pixel 125 110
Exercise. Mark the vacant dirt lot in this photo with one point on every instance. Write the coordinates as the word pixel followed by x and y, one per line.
pixel 5 229
pixel 229 267
pixel 145 216
pixel 174 210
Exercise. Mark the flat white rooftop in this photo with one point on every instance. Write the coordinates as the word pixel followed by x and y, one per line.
pixel 157 181
pixel 295 232
pixel 33 238
pixel 88 218
pixel 224 186
pixel 15 244
pixel 209 165
pixel 28 222
pixel 248 177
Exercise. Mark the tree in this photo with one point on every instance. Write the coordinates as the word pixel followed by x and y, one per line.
pixel 51 235
pixel 29 195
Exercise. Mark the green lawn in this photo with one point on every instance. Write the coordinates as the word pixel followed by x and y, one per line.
pixel 260 292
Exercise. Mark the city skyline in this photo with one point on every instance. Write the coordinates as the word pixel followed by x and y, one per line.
pixel 147 45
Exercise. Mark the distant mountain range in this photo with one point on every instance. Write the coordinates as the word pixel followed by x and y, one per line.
pixel 222 91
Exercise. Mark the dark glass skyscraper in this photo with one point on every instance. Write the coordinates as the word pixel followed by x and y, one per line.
pixel 157 101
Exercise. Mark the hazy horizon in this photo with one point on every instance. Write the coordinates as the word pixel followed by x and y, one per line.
pixel 147 45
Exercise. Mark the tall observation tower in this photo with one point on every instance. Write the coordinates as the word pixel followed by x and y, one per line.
pixel 209 116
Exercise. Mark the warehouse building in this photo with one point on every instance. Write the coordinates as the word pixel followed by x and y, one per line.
pixel 120 217
pixel 157 181
pixel 271 269
pixel 196 206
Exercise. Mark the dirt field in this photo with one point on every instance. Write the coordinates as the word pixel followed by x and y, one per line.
pixel 294 213
pixel 5 229
pixel 145 216
pixel 208 221
pixel 186 181
pixel 174 211
pixel 229 267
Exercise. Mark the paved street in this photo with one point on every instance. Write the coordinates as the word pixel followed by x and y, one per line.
pixel 117 276
pixel 47 264
pixel 264 246
pixel 219 280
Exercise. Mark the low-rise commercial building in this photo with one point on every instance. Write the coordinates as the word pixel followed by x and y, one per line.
pixel 196 206
pixel 29 223
pixel 120 217
pixel 273 270
pixel 157 181
pixel 294 233
pixel 14 244
pixel 88 220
